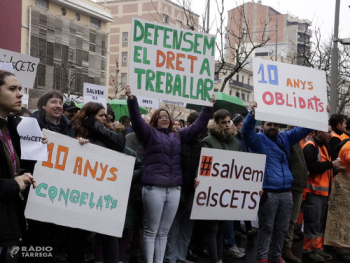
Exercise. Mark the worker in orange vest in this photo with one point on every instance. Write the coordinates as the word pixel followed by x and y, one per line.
pixel 320 167
pixel 338 124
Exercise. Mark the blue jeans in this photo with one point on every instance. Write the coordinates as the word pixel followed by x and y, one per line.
pixel 180 233
pixel 160 205
pixel 229 234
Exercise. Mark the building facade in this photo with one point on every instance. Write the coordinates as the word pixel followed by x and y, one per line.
pixel 69 36
pixel 162 11
pixel 287 33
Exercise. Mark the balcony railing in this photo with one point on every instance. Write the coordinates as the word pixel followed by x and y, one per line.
pixel 241 85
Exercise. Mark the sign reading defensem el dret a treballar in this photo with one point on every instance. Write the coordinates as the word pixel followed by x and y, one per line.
pixel 171 63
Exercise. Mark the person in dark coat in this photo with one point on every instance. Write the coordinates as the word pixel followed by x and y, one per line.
pixel 90 125
pixel 12 180
pixel 161 174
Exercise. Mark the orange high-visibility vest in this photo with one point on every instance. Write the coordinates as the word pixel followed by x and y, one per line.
pixel 319 183
pixel 344 136
pixel 336 135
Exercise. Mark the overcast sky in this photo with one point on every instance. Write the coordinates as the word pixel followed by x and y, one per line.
pixel 320 12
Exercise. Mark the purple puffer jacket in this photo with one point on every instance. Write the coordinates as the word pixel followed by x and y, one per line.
pixel 162 156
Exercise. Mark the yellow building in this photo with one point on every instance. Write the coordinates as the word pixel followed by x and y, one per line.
pixel 71 39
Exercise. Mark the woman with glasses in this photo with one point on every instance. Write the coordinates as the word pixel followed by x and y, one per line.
pixel 161 175
pixel 221 136
pixel 90 125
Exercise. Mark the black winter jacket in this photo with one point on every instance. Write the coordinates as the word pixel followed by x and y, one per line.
pixel 12 221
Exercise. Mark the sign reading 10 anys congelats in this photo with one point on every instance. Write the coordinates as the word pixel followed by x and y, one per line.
pixel 171 63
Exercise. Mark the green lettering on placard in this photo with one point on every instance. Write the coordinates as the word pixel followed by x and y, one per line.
pixel 189 41
pixel 169 83
pixel 139 72
pixel 156 34
pixel 197 43
pixel 177 85
pixel 83 196
pixel 207 46
pixel 108 199
pixel 208 86
pixel 184 88
pixel 177 40
pixel 145 60
pixel 150 76
pixel 159 81
pixel 192 90
pixel 52 193
pixel 200 89
pixel 166 37
pixel 99 203
pixel 74 196
pixel 138 25
pixel 91 203
pixel 137 50
pixel 205 67
pixel 147 33
pixel 64 195
pixel 38 190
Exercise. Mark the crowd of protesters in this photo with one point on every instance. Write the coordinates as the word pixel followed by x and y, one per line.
pixel 300 165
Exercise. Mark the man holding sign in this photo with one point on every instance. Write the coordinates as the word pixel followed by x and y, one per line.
pixel 276 203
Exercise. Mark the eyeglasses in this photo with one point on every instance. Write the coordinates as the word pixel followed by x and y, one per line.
pixel 163 118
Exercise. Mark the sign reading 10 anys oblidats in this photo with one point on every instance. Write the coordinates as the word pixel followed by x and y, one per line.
pixel 171 63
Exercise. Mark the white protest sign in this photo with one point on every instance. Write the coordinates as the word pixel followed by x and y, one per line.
pixel 171 63
pixel 6 66
pixel 24 67
pixel 290 94
pixel 176 103
pixel 229 185
pixel 81 186
pixel 148 102
pixel 25 99
pixel 95 93
pixel 31 137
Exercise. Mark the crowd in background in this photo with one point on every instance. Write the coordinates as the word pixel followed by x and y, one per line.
pixel 300 165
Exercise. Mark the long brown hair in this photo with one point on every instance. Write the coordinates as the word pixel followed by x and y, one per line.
pixel 154 119
pixel 90 108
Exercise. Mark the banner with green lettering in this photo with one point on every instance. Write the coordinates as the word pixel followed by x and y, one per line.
pixel 171 63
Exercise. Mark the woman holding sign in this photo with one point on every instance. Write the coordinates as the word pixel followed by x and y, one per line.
pixel 90 125
pixel 221 136
pixel 12 221
pixel 161 175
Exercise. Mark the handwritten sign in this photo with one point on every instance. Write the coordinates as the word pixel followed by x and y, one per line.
pixel 338 220
pixel 95 93
pixel 290 94
pixel 171 63
pixel 148 102
pixel 24 67
pixel 31 138
pixel 176 103
pixel 81 186
pixel 229 185
pixel 25 99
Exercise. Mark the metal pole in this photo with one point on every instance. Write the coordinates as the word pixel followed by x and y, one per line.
pixel 208 8
pixel 334 61
pixel 276 38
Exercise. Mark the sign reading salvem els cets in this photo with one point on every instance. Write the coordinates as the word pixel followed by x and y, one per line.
pixel 171 63
pixel 229 185
pixel 24 66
